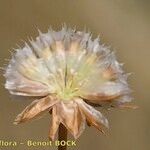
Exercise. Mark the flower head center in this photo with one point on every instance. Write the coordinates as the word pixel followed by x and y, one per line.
pixel 73 72
pixel 70 88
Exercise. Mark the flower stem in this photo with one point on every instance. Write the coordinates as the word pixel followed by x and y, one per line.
pixel 62 136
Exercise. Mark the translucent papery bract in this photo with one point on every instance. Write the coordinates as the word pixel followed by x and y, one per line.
pixel 67 63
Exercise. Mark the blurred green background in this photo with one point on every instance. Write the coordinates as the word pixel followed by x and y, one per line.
pixel 122 24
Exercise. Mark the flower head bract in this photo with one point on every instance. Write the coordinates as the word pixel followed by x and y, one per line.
pixel 71 73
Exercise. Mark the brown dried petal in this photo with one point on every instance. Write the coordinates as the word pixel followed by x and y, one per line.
pixel 96 97
pixel 55 122
pixel 93 116
pixel 35 108
pixel 71 117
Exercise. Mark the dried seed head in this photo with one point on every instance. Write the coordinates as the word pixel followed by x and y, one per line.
pixel 68 63
pixel 69 67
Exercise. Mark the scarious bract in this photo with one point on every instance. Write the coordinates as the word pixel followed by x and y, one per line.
pixel 71 72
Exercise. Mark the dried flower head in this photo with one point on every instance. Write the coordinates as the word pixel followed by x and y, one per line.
pixel 71 72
